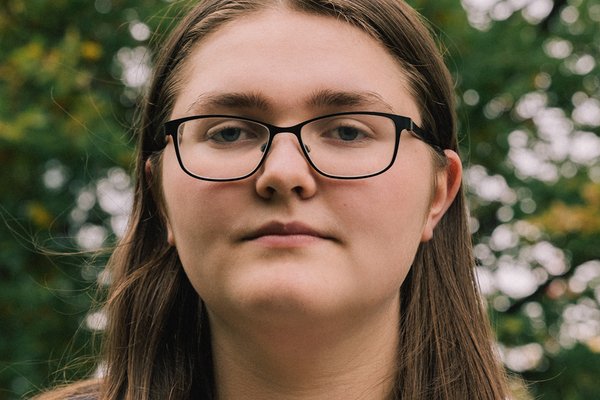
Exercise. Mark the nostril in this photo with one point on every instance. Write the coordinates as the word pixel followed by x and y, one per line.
pixel 298 190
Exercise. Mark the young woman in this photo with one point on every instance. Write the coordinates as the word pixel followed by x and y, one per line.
pixel 299 229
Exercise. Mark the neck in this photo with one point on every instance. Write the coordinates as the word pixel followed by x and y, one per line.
pixel 354 359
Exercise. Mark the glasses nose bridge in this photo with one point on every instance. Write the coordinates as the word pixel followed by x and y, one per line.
pixel 294 129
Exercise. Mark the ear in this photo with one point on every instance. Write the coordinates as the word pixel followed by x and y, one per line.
pixel 448 181
pixel 148 167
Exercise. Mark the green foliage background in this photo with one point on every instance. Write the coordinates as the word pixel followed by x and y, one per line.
pixel 528 86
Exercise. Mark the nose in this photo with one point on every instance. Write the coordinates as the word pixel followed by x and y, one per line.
pixel 285 171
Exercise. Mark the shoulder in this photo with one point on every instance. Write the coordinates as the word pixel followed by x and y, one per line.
pixel 84 390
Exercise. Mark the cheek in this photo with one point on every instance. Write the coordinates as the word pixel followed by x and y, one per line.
pixel 391 204
pixel 193 206
pixel 385 220
pixel 197 212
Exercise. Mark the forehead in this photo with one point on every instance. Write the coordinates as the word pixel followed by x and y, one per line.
pixel 284 57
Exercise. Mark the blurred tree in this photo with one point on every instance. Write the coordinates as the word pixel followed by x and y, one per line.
pixel 529 100
pixel 70 76
pixel 529 104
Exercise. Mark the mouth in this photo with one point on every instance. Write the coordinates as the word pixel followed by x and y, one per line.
pixel 286 232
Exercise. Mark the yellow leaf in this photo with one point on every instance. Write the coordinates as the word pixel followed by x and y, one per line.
pixel 33 51
pixel 39 215
pixel 91 51
pixel 579 218
pixel 591 194
pixel 594 344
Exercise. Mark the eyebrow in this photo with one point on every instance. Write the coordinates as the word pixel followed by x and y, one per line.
pixel 318 99
pixel 333 98
pixel 230 100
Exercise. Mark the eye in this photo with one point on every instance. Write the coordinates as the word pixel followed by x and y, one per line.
pixel 231 132
pixel 226 135
pixel 347 133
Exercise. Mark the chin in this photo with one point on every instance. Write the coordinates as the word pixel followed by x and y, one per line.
pixel 293 294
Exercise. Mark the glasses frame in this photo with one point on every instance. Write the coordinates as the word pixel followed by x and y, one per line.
pixel 401 124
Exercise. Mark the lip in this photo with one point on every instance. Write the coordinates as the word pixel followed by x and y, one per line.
pixel 277 232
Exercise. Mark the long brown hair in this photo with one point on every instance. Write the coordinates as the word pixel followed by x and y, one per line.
pixel 157 343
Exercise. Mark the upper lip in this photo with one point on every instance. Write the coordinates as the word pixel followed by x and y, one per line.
pixel 284 229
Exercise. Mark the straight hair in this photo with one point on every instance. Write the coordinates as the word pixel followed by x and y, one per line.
pixel 157 344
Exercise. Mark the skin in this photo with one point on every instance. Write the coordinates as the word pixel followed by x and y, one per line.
pixel 301 316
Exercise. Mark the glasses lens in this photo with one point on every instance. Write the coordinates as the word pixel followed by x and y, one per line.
pixel 351 145
pixel 221 148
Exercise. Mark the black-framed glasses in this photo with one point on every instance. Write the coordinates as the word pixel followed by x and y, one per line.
pixel 347 145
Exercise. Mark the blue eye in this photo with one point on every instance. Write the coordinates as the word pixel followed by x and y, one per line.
pixel 348 133
pixel 227 135
pixel 233 131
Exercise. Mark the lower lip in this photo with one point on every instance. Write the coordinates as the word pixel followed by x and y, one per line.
pixel 283 241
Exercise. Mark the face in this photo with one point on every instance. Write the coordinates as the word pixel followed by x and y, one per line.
pixel 286 243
